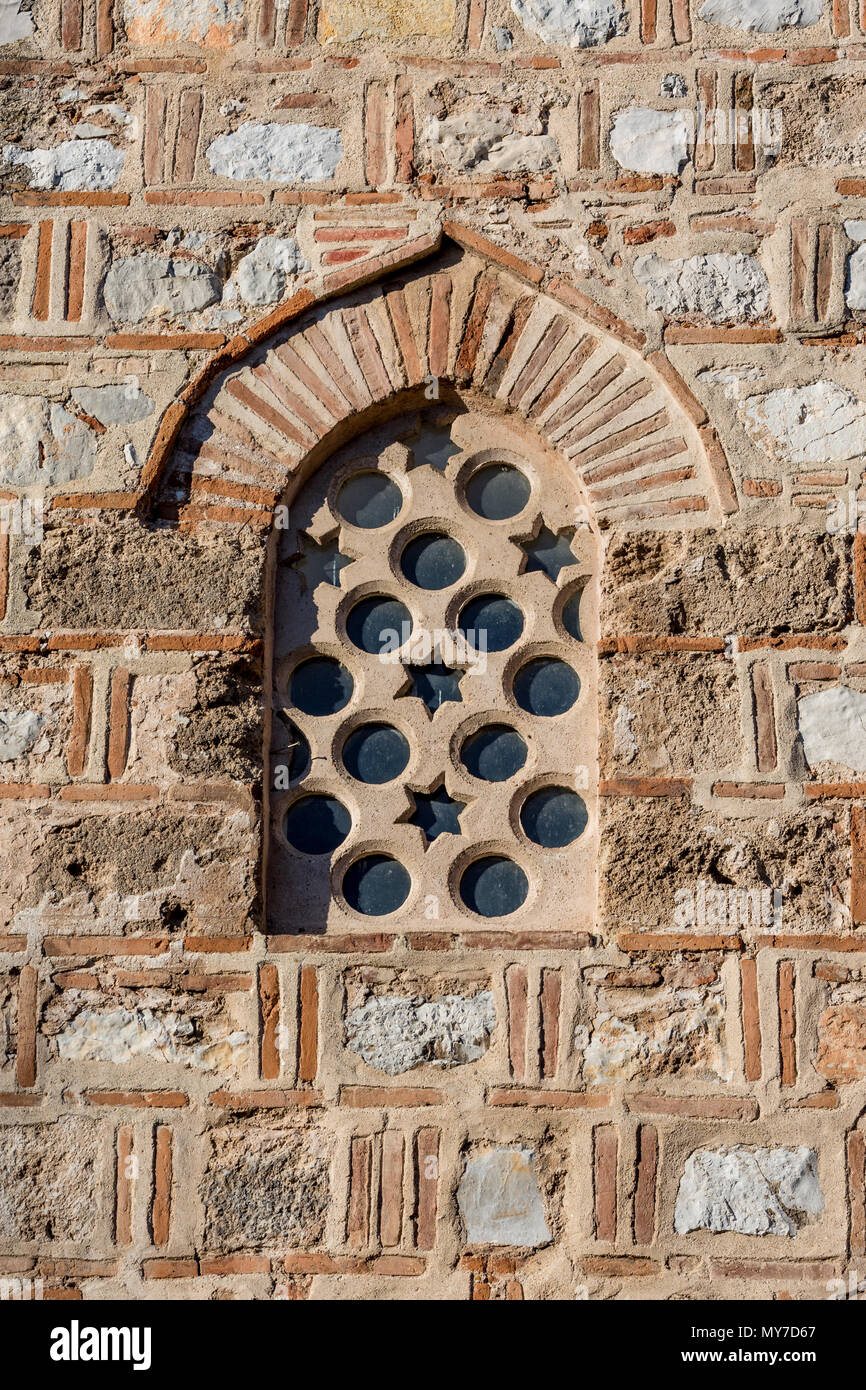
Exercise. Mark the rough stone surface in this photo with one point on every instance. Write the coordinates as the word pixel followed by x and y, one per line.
pixel 114 405
pixel 394 1035
pixel 265 1184
pixel 476 142
pixel 122 1036
pixel 213 22
pixel 765 16
pixel 499 1199
pixel 263 275
pixel 71 166
pixel 347 21
pixel 841 1056
pixel 832 725
pixel 146 286
pixel 713 289
pixel 819 423
pixel 10 272
pixel 575 23
pixel 49 1180
pixel 757 1192
pixel 277 153
pixel 43 443
pixel 650 141
pixel 19 730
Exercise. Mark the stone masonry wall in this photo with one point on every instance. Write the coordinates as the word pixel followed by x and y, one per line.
pixel 235 237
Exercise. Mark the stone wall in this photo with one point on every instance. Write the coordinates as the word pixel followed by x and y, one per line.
pixel 623 241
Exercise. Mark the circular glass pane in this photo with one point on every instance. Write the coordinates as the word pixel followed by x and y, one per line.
pixel 376 885
pixel 553 817
pixel 491 622
pixel 494 886
pixel 317 824
pixel 379 624
pixel 369 500
pixel 494 753
pixel 498 491
pixel 375 753
pixel 433 561
pixel 546 687
pixel 571 615
pixel 320 686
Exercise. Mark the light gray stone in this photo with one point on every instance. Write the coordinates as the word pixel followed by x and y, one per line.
pixel 499 1200
pixel 277 153
pixel 72 166
pixel 673 85
pixel 15 22
pixel 19 730
pixel 42 443
pixel 123 1036
pixel 752 1191
pixel 114 405
pixel 503 38
pixel 855 228
pixel 395 1034
pixel 263 275
pixel 146 286
pixel 855 279
pixel 763 16
pixel 832 725
pixel 487 145
pixel 182 19
pixel 651 142
pixel 719 288
pixel 820 423
pixel 70 451
pixel 575 23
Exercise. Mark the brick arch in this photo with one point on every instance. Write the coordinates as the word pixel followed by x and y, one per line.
pixel 481 324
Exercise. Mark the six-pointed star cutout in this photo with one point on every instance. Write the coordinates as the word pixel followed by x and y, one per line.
pixel 434 447
pixel 435 684
pixel 548 551
pixel 320 562
pixel 435 813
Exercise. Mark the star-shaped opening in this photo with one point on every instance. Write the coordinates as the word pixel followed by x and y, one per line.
pixel 434 812
pixel 548 551
pixel 320 562
pixel 434 447
pixel 435 684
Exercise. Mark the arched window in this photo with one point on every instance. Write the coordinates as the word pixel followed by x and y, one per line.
pixel 434 726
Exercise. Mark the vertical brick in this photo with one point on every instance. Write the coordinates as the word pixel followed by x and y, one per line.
pixel 765 717
pixel 856 1154
pixel 404 131
pixel 71 23
pixel 42 291
pixel 76 268
pixel 705 148
pixel 269 1011
pixel 859 562
pixel 548 1051
pixel 841 19
pixel 186 143
pixel 648 20
pixel 118 723
pixel 858 865
pixel 402 326
pixel 427 1187
pixel 358 1219
pixel 160 1217
pixel 375 154
pixel 308 1030
pixel 751 1018
pixel 605 1156
pixel 682 23
pixel 645 1186
pixel 104 27
pixel 475 26
pixel 28 984
pixel 440 326
pixel 787 1023
pixel 589 128
pixel 266 30
pixel 297 23
pixel 391 1189
pixel 82 702
pixel 4 571
pixel 744 148
pixel 155 113
pixel 125 1168
pixel 800 257
pixel 824 271
pixel 516 990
